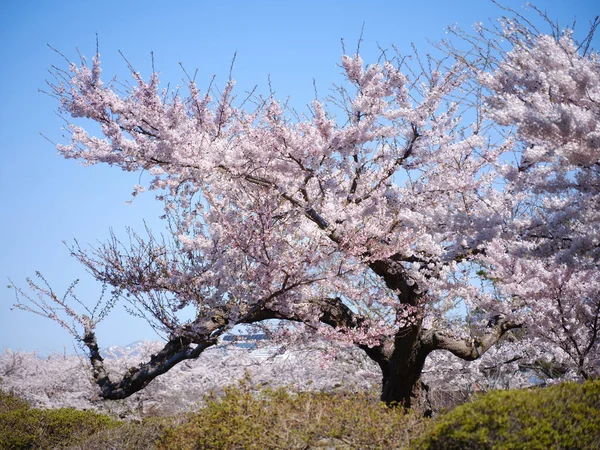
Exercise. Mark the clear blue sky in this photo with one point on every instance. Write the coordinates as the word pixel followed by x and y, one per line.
pixel 48 199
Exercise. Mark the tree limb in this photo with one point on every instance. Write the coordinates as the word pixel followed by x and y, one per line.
pixel 469 349
pixel 176 350
pixel 203 333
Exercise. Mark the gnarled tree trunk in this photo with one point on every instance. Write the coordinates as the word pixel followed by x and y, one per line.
pixel 402 364
pixel 401 382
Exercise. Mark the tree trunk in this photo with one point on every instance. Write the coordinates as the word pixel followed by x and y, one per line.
pixel 402 368
pixel 403 387
pixel 403 364
pixel 402 373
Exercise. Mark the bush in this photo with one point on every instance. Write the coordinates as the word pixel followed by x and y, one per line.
pixel 131 435
pixel 277 419
pixel 565 416
pixel 10 402
pixel 561 417
pixel 24 427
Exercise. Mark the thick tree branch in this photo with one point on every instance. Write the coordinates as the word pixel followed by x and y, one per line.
pixel 469 349
pixel 203 333
pixel 176 350
pixel 395 277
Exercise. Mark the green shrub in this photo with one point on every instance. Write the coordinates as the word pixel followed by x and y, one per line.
pixel 24 427
pixel 277 419
pixel 561 417
pixel 130 435
pixel 9 402
pixel 565 416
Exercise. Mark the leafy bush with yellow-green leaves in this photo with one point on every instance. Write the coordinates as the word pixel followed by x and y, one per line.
pixel 565 416
pixel 277 419
pixel 22 426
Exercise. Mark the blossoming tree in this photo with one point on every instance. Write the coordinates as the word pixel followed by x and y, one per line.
pixel 392 216
pixel 547 88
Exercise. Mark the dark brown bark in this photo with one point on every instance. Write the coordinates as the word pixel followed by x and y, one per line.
pixel 471 348
pixel 137 378
pixel 403 363
pixel 402 374
pixel 402 370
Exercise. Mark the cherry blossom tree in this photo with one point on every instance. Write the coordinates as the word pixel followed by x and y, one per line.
pixel 547 89
pixel 393 215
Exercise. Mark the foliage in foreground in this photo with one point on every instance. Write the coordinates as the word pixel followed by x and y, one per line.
pixel 130 435
pixel 566 416
pixel 22 426
pixel 277 419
